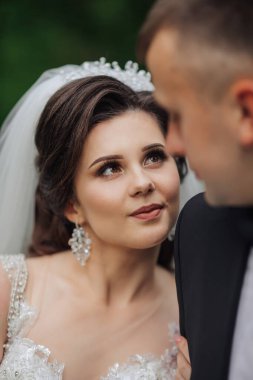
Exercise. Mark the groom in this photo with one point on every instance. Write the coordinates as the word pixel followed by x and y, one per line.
pixel 200 54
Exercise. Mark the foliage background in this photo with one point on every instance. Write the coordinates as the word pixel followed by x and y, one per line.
pixel 38 35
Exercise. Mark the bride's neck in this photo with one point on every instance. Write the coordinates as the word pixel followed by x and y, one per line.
pixel 121 276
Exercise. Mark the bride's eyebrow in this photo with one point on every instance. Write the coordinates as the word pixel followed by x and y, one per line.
pixel 150 146
pixel 106 158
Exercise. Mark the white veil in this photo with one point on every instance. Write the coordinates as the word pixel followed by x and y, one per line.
pixel 18 178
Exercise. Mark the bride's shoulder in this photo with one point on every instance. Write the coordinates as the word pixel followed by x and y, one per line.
pixel 38 263
pixel 44 270
pixel 37 268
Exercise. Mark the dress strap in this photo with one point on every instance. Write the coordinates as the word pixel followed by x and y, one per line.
pixel 16 269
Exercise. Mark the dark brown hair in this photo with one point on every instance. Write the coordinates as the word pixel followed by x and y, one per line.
pixel 223 24
pixel 63 127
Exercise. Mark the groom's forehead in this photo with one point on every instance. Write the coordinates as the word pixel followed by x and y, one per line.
pixel 169 72
pixel 163 60
pixel 178 67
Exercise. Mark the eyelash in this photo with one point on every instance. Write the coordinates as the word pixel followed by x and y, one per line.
pixel 115 165
pixel 158 153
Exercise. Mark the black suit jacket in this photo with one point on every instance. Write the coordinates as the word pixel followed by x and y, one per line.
pixel 210 259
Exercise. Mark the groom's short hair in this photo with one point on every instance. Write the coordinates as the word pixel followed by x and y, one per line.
pixel 216 28
pixel 224 23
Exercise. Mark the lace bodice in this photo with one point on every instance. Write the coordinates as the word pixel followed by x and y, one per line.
pixel 25 360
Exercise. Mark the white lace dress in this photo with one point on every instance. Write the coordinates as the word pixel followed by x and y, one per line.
pixel 25 360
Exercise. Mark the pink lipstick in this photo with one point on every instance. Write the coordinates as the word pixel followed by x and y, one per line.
pixel 149 212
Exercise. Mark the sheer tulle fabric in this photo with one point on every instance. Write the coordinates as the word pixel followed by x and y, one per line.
pixel 18 176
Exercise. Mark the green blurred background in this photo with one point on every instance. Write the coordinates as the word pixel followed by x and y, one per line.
pixel 38 35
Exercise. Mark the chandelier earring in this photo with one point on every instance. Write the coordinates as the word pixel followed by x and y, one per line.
pixel 80 244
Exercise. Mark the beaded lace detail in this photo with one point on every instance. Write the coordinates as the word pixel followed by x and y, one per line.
pixel 145 367
pixel 16 269
pixel 25 360
pixel 148 366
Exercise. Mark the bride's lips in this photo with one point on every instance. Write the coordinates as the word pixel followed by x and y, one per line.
pixel 148 212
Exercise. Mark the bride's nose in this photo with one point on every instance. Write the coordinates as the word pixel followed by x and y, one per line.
pixel 141 184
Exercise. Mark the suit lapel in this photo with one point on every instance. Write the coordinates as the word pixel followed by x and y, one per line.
pixel 210 262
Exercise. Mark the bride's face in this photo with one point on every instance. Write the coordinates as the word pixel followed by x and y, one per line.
pixel 124 167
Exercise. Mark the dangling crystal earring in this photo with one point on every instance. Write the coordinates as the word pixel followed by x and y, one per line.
pixel 80 244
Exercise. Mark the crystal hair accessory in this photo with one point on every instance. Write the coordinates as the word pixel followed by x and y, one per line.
pixel 138 80
pixel 80 244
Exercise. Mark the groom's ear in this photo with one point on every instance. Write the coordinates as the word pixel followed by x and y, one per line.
pixel 243 95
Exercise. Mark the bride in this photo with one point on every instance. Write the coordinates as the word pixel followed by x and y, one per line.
pixel 96 295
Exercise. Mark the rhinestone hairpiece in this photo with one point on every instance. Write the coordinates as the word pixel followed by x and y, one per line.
pixel 138 80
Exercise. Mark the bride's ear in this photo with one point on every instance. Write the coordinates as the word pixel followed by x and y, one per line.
pixel 74 213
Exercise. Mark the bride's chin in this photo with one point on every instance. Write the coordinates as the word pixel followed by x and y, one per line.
pixel 150 241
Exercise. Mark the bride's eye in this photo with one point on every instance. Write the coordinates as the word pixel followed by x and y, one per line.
pixel 155 157
pixel 109 168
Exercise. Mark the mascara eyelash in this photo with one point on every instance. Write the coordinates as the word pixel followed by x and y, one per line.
pixel 102 168
pixel 159 152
